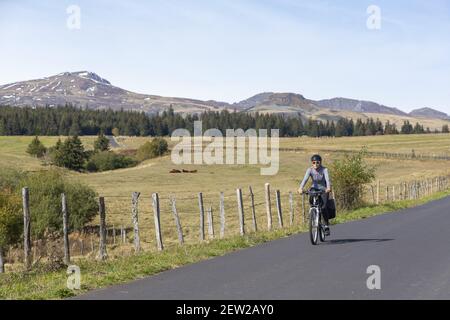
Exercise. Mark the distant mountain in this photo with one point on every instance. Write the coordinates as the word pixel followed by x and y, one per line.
pixel 358 106
pixel 285 103
pixel 429 113
pixel 88 89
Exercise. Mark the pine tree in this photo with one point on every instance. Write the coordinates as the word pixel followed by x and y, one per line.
pixel 101 143
pixel 70 154
pixel 407 128
pixel 36 148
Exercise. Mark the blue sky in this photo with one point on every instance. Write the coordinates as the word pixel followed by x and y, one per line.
pixel 230 50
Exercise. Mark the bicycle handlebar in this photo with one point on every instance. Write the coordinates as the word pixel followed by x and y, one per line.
pixel 313 192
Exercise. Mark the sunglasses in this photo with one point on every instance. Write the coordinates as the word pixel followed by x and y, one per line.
pixel 316 162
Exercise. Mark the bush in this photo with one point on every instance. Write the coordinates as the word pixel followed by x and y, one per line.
pixel 10 221
pixel 45 200
pixel 349 176
pixel 10 218
pixel 36 148
pixel 108 160
pixel 156 148
pixel 445 128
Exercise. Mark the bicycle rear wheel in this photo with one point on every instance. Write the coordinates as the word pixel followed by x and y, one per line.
pixel 321 231
pixel 314 225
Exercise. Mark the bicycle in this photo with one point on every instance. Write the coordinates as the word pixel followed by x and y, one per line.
pixel 316 227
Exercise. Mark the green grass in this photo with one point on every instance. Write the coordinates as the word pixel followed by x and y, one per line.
pixel 39 284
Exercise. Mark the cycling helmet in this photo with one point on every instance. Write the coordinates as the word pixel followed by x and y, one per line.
pixel 316 157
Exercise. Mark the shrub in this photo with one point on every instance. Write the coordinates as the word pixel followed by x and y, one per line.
pixel 45 200
pixel 108 160
pixel 36 148
pixel 115 132
pixel 349 176
pixel 156 148
pixel 10 221
pixel 445 128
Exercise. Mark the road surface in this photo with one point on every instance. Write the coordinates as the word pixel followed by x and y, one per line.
pixel 411 247
pixel 113 142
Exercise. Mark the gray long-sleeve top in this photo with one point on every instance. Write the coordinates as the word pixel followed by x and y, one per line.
pixel 320 178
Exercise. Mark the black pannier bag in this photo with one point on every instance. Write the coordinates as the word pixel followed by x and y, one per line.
pixel 331 209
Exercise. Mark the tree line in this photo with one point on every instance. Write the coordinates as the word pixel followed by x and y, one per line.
pixel 69 120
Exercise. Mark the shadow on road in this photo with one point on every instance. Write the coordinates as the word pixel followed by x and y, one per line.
pixel 345 241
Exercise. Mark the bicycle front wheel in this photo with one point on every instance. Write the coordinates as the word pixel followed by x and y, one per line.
pixel 314 225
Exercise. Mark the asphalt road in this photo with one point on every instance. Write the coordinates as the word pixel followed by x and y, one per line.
pixel 411 247
pixel 113 142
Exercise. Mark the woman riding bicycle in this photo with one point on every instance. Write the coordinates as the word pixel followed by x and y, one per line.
pixel 321 182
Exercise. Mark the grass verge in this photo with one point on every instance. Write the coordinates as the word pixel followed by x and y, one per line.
pixel 39 284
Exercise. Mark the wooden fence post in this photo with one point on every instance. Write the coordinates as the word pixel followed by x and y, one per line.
pixel 279 211
pixel 268 207
pixel 177 221
pixel 26 228
pixel 378 192
pixel 82 247
pixel 222 214
pixel 65 215
pixel 102 254
pixel 291 207
pixel 241 211
pixel 92 244
pixel 135 219
pixel 405 195
pixel 202 216
pixel 156 214
pixel 373 194
pixel 210 223
pixel 252 204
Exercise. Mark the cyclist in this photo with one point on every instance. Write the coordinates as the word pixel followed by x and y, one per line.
pixel 321 181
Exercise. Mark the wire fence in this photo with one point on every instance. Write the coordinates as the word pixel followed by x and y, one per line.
pixel 222 215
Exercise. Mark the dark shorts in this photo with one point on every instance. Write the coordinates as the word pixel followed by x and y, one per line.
pixel 323 204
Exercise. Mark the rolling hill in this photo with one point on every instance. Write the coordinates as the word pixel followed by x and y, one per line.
pixel 429 113
pixel 358 106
